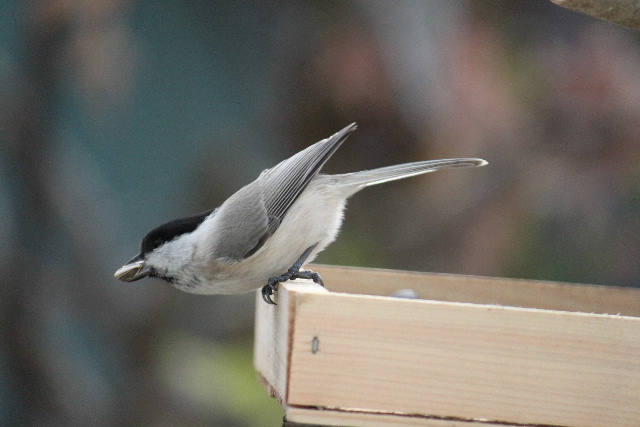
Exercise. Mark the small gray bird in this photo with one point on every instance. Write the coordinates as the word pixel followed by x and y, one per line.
pixel 267 230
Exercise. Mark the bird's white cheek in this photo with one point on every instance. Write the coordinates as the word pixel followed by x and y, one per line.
pixel 173 256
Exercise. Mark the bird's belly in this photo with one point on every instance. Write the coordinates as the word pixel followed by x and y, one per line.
pixel 314 219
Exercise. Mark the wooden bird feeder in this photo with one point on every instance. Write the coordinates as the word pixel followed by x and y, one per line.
pixel 470 351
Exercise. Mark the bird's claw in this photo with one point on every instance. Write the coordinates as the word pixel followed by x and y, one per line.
pixel 291 274
pixel 311 275
pixel 272 286
pixel 269 289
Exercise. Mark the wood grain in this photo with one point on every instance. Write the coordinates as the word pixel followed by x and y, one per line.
pixel 484 290
pixel 386 361
pixel 342 418
pixel 272 340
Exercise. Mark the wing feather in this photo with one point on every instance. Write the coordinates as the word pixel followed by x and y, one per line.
pixel 249 217
pixel 283 184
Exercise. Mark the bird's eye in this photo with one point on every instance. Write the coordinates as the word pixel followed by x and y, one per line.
pixel 157 243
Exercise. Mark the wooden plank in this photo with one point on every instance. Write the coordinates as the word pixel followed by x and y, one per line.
pixel 484 290
pixel 466 361
pixel 272 338
pixel 341 418
pixel 385 362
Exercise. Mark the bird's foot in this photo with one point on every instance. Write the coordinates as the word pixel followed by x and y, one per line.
pixel 270 288
pixel 293 273
pixel 311 275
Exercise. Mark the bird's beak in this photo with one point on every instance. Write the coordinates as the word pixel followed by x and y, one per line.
pixel 133 270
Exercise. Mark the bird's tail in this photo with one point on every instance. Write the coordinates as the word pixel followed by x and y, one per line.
pixel 356 181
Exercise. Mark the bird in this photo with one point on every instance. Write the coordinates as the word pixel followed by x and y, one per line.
pixel 265 232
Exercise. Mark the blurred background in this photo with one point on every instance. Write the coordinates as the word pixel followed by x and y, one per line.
pixel 116 116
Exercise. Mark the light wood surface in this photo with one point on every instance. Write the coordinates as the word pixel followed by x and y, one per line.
pixel 272 340
pixel 484 290
pixel 383 361
pixel 353 418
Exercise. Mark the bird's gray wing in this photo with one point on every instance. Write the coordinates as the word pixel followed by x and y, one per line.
pixel 283 183
pixel 242 224
pixel 249 217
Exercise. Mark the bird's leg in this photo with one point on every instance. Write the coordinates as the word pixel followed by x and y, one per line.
pixel 293 273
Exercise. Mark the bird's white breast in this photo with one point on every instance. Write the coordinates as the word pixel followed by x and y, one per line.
pixel 314 219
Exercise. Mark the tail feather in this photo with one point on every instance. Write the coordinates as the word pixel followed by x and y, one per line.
pixel 353 182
